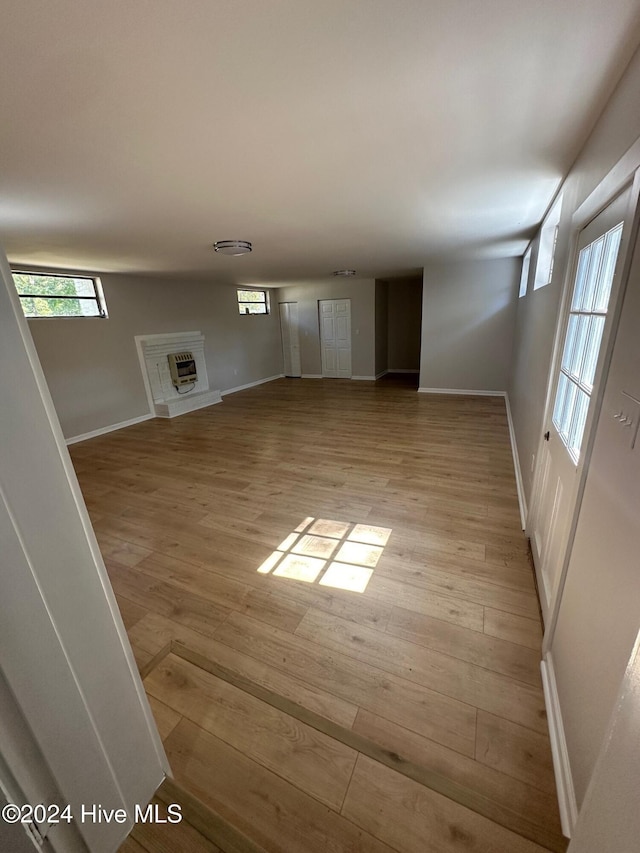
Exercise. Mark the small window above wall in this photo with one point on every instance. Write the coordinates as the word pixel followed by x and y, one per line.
pixel 253 302
pixel 524 275
pixel 45 294
pixel 547 245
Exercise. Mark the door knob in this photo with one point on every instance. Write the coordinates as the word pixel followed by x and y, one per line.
pixel 547 435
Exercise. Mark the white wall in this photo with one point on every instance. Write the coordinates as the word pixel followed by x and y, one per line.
pixel 361 292
pixel 92 367
pixel 468 314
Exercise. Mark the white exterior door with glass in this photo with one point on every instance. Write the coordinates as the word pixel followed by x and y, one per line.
pixel 587 327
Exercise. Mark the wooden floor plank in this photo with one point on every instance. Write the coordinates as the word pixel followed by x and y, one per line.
pixel 130 612
pixel 524 603
pixel 446 607
pixel 439 717
pixel 166 718
pixel 412 819
pixel 270 810
pixel 169 837
pixel 314 762
pixel 466 782
pixel 156 632
pixel 515 629
pixel 539 808
pixel 510 659
pixel 193 611
pixel 452 677
pixel 130 845
pixel 518 751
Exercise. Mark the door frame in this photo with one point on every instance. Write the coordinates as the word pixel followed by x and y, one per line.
pixel 290 302
pixel 624 174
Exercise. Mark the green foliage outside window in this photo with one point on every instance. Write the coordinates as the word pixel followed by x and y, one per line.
pixel 53 295
pixel 253 302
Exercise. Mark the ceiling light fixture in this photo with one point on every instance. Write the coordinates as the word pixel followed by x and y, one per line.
pixel 344 273
pixel 233 247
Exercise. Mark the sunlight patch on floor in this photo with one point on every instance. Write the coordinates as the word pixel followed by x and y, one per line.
pixel 337 554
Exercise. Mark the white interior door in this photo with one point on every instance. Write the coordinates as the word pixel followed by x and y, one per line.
pixel 335 337
pixel 290 338
pixel 578 374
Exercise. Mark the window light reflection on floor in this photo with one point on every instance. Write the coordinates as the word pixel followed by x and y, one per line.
pixel 337 554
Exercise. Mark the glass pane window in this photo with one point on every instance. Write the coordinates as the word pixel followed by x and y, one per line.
pixel 603 291
pixel 591 283
pixel 547 242
pixel 581 277
pixel 524 275
pixel 592 350
pixel 585 329
pixel 253 302
pixel 56 295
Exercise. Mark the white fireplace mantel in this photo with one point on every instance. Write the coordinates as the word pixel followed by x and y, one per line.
pixel 164 399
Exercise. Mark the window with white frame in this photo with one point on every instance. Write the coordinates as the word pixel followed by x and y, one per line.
pixel 547 245
pixel 587 316
pixel 524 275
pixel 253 302
pixel 45 294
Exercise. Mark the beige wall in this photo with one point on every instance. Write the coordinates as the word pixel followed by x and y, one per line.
pixel 382 327
pixel 361 292
pixel 405 323
pixel 468 313
pixel 92 367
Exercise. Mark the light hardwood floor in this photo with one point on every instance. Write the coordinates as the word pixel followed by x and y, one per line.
pixel 427 680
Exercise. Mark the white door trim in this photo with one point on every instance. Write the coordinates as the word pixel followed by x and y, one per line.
pixel 626 172
pixel 66 656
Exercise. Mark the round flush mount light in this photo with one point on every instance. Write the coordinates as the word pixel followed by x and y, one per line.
pixel 233 247
pixel 344 273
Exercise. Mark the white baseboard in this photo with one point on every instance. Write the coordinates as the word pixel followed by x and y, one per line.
pixel 381 374
pixel 562 768
pixel 311 376
pixel 522 501
pixel 462 392
pixel 111 428
pixel 364 378
pixel 252 384
pixel 402 370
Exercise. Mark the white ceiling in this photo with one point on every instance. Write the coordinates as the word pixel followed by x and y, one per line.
pixel 371 134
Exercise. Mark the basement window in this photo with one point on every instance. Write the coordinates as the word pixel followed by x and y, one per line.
pixel 524 275
pixel 58 295
pixel 253 302
pixel 547 245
